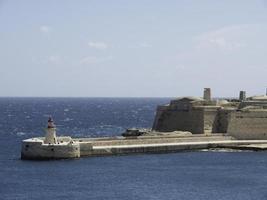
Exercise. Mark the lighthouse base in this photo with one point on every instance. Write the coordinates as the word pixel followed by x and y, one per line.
pixel 36 149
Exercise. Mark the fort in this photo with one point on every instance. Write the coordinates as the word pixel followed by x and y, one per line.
pixel 185 124
pixel 243 118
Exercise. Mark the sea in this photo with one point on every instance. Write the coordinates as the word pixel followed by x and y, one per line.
pixel 204 175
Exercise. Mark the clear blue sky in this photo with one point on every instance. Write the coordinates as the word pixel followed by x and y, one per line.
pixel 140 48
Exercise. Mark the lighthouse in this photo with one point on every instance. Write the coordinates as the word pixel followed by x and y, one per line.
pixel 50 137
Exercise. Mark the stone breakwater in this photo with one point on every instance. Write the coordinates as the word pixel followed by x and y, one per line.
pixel 67 147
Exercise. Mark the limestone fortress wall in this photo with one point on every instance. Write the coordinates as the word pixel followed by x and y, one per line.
pixel 243 118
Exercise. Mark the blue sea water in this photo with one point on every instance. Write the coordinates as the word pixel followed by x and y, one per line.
pixel 190 175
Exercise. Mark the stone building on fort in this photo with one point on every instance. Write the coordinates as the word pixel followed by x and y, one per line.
pixel 243 118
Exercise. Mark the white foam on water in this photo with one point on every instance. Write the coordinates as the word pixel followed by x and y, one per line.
pixel 20 133
pixel 223 150
pixel 67 119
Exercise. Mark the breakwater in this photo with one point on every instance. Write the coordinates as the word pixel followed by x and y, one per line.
pixel 67 147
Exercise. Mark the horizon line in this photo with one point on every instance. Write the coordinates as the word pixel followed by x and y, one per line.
pixel 103 97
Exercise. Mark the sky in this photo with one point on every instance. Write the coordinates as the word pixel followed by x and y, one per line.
pixel 140 48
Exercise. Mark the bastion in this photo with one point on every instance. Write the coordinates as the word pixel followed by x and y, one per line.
pixel 243 118
pixel 185 124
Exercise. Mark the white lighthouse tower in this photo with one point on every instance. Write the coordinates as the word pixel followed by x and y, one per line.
pixel 50 137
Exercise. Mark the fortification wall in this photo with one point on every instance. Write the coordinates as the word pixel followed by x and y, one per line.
pixel 222 120
pixel 259 103
pixel 210 119
pixel 160 110
pixel 248 124
pixel 182 120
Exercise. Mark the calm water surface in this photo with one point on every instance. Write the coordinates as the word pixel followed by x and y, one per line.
pixel 191 175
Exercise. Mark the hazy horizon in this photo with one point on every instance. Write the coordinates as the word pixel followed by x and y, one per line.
pixel 132 48
pixel 113 97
